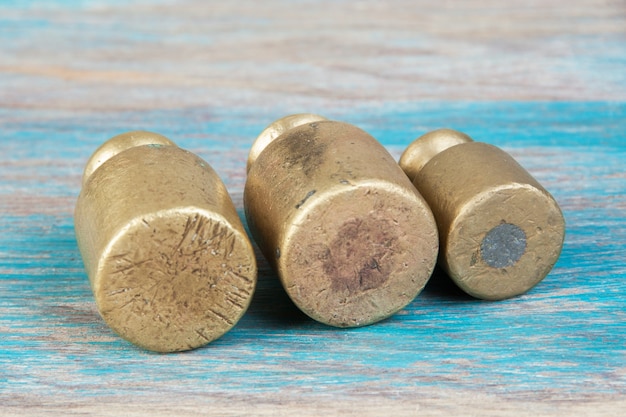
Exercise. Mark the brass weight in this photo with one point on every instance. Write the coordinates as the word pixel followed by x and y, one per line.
pixel 352 240
pixel 169 262
pixel 501 232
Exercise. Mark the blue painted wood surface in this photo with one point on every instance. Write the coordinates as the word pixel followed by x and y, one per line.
pixel 65 88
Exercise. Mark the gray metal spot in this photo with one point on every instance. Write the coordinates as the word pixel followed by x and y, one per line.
pixel 503 245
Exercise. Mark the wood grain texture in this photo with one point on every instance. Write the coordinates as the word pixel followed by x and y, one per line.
pixel 163 54
pixel 211 76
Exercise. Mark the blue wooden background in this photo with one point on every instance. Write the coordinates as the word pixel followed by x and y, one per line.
pixel 546 83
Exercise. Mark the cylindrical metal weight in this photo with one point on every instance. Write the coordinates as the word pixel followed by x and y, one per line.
pixel 169 262
pixel 352 240
pixel 501 232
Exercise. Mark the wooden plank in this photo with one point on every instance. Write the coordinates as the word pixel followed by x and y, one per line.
pixel 561 346
pixel 99 56
pixel 211 77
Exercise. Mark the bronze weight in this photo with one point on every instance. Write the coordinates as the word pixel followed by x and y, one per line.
pixel 169 262
pixel 501 232
pixel 352 240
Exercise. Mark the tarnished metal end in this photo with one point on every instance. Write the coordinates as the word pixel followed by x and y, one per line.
pixel 168 259
pixel 500 231
pixel 276 129
pixel 424 148
pixel 349 236
pixel 120 143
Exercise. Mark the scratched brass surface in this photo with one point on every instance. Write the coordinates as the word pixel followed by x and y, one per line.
pixel 169 262
pixel 500 231
pixel 276 129
pixel 352 241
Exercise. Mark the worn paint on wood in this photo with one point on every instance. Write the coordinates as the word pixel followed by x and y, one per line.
pixel 80 55
pixel 563 341
pixel 75 74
